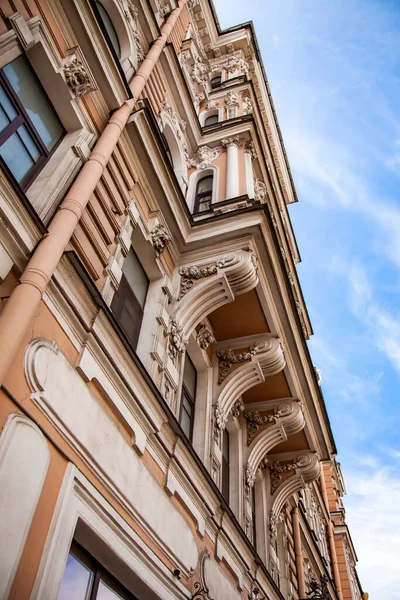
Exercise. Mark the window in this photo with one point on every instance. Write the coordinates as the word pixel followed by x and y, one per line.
pixel 186 417
pixel 211 120
pixel 109 28
pixel 128 301
pixel 225 465
pixel 216 81
pixel 203 196
pixel 29 128
pixel 85 579
pixel 253 515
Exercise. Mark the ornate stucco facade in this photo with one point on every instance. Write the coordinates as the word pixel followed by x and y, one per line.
pixel 163 431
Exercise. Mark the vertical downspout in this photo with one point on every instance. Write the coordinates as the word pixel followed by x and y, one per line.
pixel 25 298
pixel 331 538
pixel 298 553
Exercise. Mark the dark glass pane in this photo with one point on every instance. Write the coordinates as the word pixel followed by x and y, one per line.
pixel 108 24
pixel 189 377
pixel 225 445
pixel 211 120
pixel 186 423
pixel 16 157
pixel 136 277
pixel 76 580
pixel 204 185
pixel 204 203
pixel 34 101
pixel 127 310
pixel 216 81
pixel 7 111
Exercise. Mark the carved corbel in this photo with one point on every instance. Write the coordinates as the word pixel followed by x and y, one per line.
pixel 77 73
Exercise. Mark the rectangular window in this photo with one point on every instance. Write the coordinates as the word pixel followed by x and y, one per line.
pixel 29 128
pixel 85 579
pixel 186 417
pixel 129 300
pixel 225 465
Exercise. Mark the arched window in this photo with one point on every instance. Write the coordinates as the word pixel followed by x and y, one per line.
pixel 216 81
pixel 109 27
pixel 211 120
pixel 203 196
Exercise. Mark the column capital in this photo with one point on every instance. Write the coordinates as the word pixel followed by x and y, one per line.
pixel 249 148
pixel 231 141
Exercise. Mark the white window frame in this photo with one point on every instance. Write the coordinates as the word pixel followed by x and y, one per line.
pixel 194 178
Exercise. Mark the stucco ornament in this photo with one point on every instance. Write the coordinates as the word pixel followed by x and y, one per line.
pixel 231 141
pixel 247 105
pixel 132 16
pixel 203 157
pixel 227 358
pixel 278 468
pixel 199 71
pixel 205 336
pixel 212 104
pixel 77 77
pixel 254 421
pixel 260 190
pixel 201 589
pixel 176 342
pixel 220 419
pixel 190 274
pixel 249 148
pixel 249 478
pixel 160 238
pixel 178 123
pixel 231 98
pixel 319 590
pixel 238 408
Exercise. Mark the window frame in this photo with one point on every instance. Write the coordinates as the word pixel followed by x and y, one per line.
pixel 216 77
pixel 137 306
pixel 99 573
pixel 198 196
pixel 23 119
pixel 213 116
pixel 225 466
pixel 185 394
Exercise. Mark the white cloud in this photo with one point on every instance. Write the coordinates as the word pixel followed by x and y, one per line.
pixel 373 517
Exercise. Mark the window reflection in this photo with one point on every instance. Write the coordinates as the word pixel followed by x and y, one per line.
pixel 76 581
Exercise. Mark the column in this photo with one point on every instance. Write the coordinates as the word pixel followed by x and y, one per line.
pixel 249 155
pixel 298 553
pixel 232 166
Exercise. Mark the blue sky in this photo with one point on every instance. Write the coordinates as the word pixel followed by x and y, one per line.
pixel 334 72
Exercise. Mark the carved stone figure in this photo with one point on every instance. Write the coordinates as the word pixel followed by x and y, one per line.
pixel 203 157
pixel 77 78
pixel 238 408
pixel 231 98
pixel 260 190
pixel 205 336
pixel 247 105
pixel 199 71
pixel 160 238
pixel 176 343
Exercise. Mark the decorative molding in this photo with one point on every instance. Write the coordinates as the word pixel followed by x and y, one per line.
pixel 276 469
pixel 205 336
pixel 260 190
pixel 179 126
pixel 227 358
pixel 254 420
pixel 199 71
pixel 203 158
pixel 231 98
pixel 247 104
pixel 176 341
pixel 211 104
pixel 160 238
pixel 231 141
pixel 77 76
pixel 190 274
pixel 249 148
pixel 201 591
pixel 132 16
pixel 238 408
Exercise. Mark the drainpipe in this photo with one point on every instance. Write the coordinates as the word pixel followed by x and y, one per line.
pixel 25 298
pixel 298 553
pixel 331 538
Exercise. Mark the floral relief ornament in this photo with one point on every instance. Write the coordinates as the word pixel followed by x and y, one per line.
pixel 177 343
pixel 205 336
pixel 192 273
pixel 77 77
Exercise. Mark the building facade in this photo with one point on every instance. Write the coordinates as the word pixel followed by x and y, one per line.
pixel 163 431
